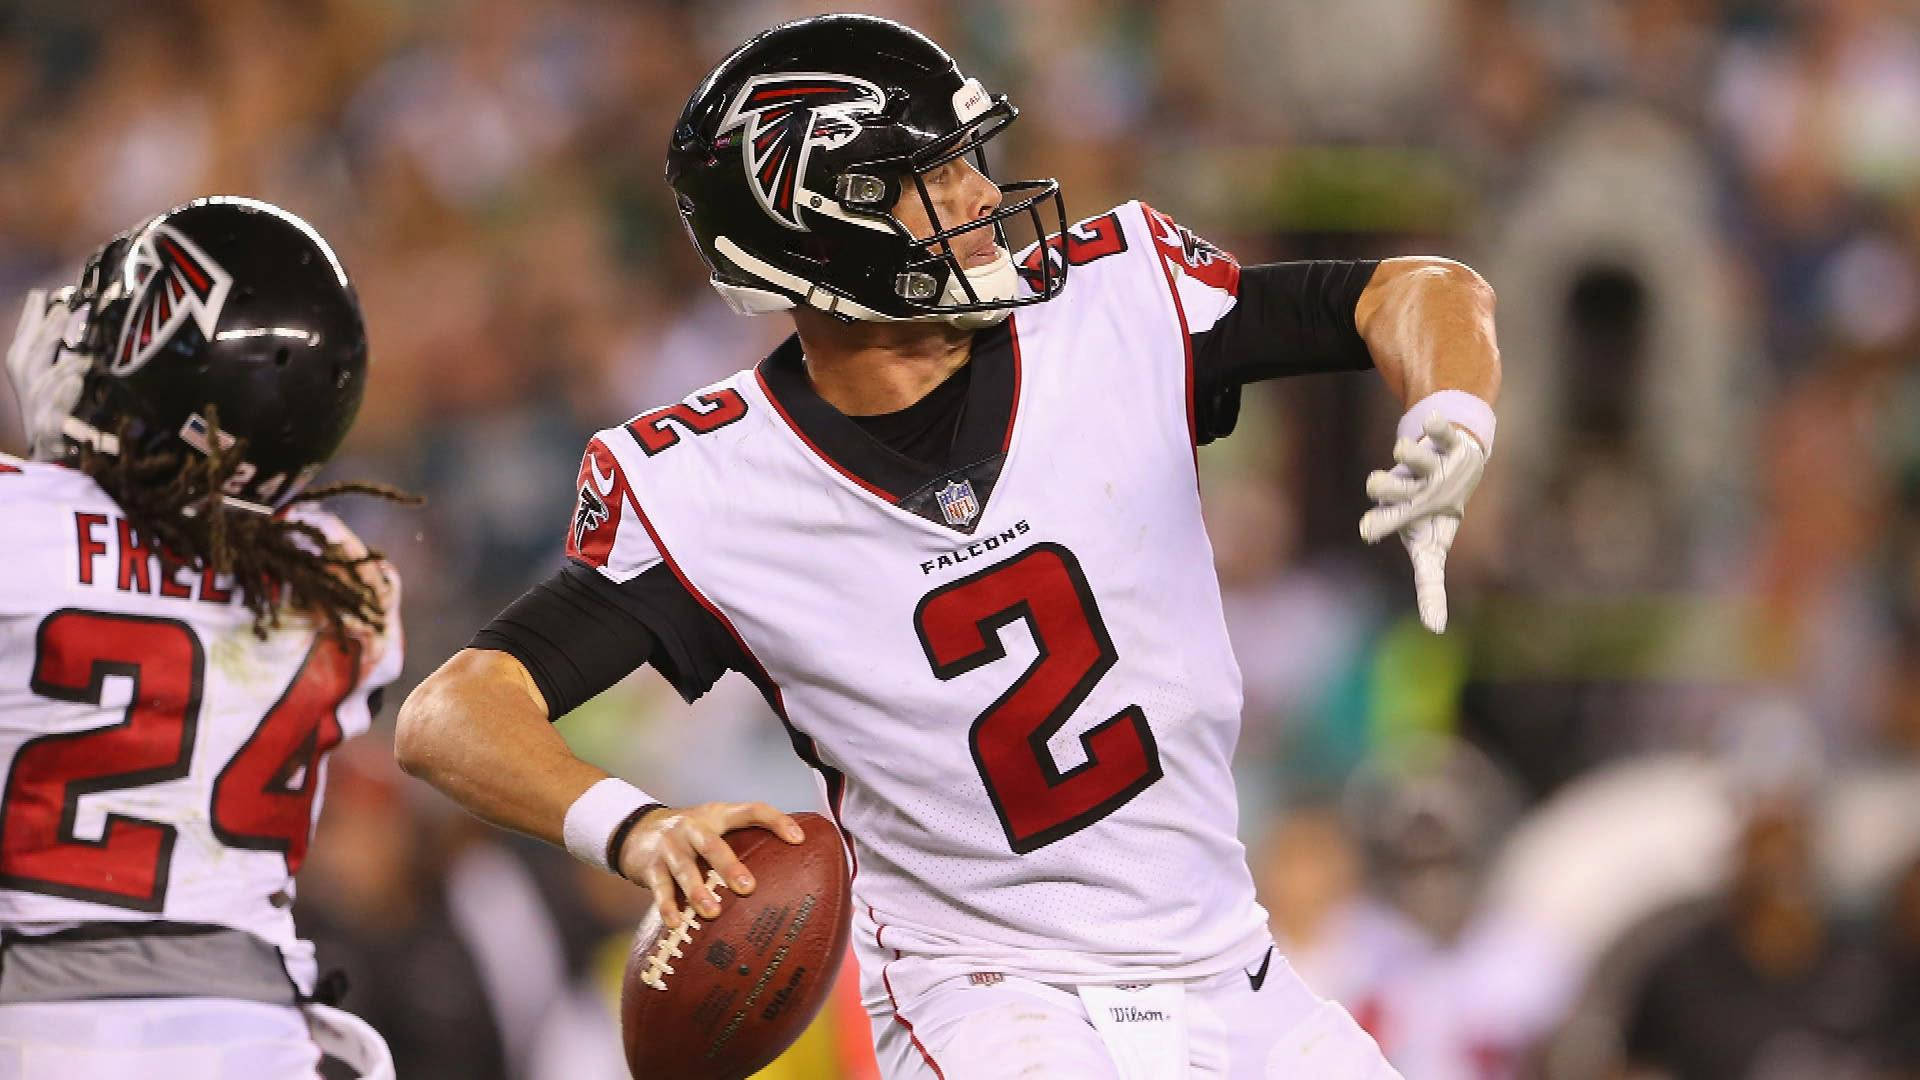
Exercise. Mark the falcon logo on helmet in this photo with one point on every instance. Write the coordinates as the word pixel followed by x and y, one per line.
pixel 785 116
pixel 785 179
pixel 170 280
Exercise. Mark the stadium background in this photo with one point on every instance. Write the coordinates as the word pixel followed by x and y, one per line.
pixel 1654 798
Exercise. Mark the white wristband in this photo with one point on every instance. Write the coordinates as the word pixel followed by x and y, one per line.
pixel 1458 407
pixel 593 818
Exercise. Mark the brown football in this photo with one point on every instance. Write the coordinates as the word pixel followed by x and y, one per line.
pixel 719 999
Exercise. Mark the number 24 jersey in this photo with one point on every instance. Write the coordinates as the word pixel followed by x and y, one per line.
pixel 1013 675
pixel 160 761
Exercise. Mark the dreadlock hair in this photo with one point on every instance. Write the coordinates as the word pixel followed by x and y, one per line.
pixel 173 497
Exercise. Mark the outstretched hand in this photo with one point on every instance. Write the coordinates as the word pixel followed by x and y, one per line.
pixel 1422 499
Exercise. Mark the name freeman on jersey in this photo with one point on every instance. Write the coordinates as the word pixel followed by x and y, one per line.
pixel 976 549
pixel 129 559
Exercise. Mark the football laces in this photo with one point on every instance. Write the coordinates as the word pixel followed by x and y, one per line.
pixel 669 947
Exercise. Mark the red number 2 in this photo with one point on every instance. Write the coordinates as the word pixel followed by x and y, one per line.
pixel 959 626
pixel 723 407
pixel 127 866
pixel 263 798
pixel 1082 243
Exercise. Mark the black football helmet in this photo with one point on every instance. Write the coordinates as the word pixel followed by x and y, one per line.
pixel 228 302
pixel 791 154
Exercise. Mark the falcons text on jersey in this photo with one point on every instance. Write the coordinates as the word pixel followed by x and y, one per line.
pixel 1013 677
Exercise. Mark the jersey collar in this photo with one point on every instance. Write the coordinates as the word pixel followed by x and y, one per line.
pixel 985 433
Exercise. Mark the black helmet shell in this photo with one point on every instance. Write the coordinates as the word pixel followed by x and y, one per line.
pixel 790 155
pixel 236 304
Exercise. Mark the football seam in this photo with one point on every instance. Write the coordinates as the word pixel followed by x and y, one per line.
pixel 668 947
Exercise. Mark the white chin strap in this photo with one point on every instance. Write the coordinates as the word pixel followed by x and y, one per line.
pixel 997 280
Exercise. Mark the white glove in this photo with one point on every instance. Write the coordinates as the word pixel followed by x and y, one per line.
pixel 47 373
pixel 1423 499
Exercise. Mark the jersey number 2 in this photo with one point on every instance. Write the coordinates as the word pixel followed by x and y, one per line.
pixel 263 798
pixel 721 407
pixel 959 625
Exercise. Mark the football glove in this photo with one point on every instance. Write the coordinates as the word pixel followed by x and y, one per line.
pixel 1422 499
pixel 46 370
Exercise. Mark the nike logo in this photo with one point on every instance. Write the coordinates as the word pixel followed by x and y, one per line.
pixel 602 484
pixel 1259 978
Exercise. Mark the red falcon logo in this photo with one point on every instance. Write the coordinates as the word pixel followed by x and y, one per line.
pixel 783 117
pixel 602 493
pixel 1203 260
pixel 170 281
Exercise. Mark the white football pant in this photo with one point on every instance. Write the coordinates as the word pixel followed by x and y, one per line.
pixel 1003 1027
pixel 182 1039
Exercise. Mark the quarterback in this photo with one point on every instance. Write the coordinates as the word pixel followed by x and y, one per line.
pixel 951 529
pixel 184 636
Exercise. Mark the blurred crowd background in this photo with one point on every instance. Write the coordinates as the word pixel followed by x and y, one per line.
pixel 1650 808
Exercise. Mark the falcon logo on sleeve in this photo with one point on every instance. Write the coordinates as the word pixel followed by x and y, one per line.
pixel 596 516
pixel 782 118
pixel 1193 254
pixel 170 281
pixel 589 517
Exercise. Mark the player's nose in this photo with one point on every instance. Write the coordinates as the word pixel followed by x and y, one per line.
pixel 982 194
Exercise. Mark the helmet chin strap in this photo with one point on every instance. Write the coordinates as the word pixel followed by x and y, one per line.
pixel 998 280
pixel 87 435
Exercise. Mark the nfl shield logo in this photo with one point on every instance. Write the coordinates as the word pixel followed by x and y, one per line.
pixel 957 503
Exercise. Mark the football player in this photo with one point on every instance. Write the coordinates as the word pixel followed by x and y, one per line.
pixel 184 636
pixel 952 530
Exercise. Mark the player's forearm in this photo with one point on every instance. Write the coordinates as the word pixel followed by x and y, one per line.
pixel 477 729
pixel 1429 324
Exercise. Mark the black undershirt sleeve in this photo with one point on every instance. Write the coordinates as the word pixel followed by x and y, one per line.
pixel 1292 318
pixel 577 633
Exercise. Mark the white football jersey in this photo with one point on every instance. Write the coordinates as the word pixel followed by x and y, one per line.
pixel 1014 677
pixel 160 761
